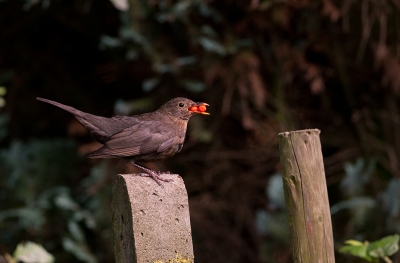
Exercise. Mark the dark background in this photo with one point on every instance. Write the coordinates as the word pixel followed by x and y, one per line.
pixel 263 66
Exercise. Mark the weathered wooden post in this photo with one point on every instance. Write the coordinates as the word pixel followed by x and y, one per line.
pixel 151 223
pixel 306 196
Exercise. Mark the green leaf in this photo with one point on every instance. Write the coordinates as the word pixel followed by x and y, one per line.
pixel 30 252
pixel 353 242
pixel 3 90
pixel 79 249
pixel 109 42
pixel 208 31
pixel 65 202
pixel 212 46
pixel 150 84
pixel 183 61
pixel 163 68
pixel 359 249
pixel 384 247
pixel 29 217
pixel 76 231
pixel 371 252
pixel 129 34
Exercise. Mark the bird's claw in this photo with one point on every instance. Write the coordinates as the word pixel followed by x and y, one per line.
pixel 160 173
pixel 144 175
pixel 150 173
pixel 156 176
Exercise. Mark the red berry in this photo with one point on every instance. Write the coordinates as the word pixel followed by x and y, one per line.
pixel 193 108
pixel 202 108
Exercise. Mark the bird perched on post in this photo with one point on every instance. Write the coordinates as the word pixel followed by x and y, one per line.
pixel 147 137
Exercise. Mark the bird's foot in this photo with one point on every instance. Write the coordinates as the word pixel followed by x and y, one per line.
pixel 160 173
pixel 156 176
pixel 150 173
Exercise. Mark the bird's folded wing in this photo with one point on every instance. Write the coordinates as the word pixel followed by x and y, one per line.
pixel 142 138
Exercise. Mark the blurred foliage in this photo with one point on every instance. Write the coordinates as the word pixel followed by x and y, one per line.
pixel 30 252
pixel 38 181
pixel 273 222
pixel 364 203
pixel 264 67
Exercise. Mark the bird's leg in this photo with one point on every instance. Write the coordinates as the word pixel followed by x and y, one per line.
pixel 149 173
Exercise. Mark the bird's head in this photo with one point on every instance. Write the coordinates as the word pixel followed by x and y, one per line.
pixel 184 108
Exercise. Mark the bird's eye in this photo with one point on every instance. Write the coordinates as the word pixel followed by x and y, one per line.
pixel 181 104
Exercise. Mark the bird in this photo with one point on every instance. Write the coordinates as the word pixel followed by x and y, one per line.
pixel 147 137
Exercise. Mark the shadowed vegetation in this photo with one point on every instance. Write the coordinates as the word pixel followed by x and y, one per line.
pixel 263 66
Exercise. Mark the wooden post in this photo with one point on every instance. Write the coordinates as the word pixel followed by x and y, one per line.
pixel 150 222
pixel 306 196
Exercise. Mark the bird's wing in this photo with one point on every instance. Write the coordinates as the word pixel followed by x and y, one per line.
pixel 142 138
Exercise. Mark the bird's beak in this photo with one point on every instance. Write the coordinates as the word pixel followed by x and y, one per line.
pixel 199 108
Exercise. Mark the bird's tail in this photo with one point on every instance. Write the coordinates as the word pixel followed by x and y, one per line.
pixel 70 109
pixel 97 125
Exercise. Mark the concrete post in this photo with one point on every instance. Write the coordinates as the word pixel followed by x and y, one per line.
pixel 151 223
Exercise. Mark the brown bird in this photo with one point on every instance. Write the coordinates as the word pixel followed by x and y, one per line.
pixel 147 137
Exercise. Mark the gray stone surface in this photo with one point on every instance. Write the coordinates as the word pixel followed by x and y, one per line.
pixel 151 223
